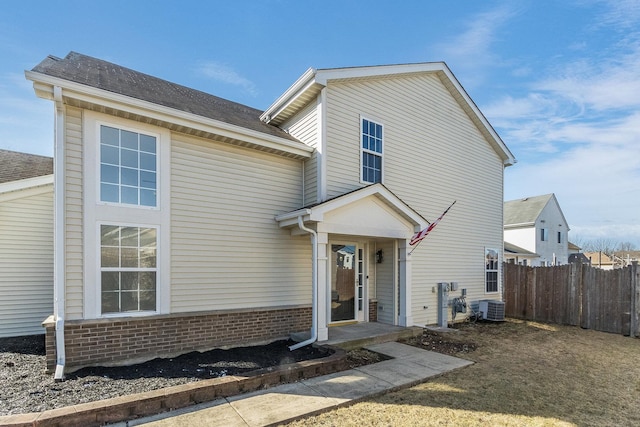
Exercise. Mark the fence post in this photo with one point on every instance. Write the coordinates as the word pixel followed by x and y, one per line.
pixel 635 300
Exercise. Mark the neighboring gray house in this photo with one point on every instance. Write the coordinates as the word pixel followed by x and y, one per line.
pixel 538 225
pixel 26 242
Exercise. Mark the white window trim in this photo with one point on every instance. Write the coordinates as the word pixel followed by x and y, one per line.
pixel 97 213
pixel 98 278
pixel 362 150
pixel 498 270
pixel 151 132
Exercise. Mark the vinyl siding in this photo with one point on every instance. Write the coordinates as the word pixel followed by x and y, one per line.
pixel 433 155
pixel 304 126
pixel 227 251
pixel 26 262
pixel 384 283
pixel 73 224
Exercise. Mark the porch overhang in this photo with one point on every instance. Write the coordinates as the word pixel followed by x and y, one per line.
pixel 372 211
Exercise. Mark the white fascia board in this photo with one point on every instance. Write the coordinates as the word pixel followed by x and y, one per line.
pixel 520 225
pixel 121 102
pixel 317 213
pixel 289 219
pixel 23 184
pixel 293 214
pixel 323 76
pixel 300 85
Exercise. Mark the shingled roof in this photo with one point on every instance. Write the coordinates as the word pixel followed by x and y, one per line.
pixel 15 166
pixel 104 75
pixel 525 211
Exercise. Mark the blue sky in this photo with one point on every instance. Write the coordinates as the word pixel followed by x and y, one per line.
pixel 559 80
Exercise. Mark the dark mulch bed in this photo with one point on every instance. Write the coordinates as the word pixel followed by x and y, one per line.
pixel 25 387
pixel 453 343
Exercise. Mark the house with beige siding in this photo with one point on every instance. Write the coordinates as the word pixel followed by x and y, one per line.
pixel 26 242
pixel 188 222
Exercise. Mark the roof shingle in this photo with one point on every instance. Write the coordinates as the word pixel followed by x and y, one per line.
pixel 525 211
pixel 15 166
pixel 114 78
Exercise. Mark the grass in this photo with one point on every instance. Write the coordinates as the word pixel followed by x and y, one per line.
pixel 526 374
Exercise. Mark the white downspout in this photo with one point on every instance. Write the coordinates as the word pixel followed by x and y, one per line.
pixel 314 287
pixel 59 250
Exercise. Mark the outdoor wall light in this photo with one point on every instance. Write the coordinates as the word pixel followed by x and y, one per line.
pixel 379 256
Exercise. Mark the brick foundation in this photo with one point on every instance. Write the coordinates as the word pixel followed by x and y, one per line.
pixel 123 341
pixel 373 310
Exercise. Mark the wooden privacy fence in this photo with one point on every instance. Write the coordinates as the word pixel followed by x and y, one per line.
pixel 575 294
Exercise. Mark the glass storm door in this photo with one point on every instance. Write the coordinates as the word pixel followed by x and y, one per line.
pixel 344 265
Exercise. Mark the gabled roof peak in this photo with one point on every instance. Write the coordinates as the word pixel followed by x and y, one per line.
pixel 309 87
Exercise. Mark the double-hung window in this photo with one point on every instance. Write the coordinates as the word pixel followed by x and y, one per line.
pixel 128 268
pixel 128 172
pixel 371 154
pixel 491 270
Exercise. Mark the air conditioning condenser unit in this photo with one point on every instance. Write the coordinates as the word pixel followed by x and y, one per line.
pixel 492 310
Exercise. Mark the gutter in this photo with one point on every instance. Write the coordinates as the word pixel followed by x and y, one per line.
pixel 42 84
pixel 59 231
pixel 314 287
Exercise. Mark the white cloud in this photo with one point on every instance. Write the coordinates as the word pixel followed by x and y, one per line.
pixel 577 133
pixel 621 14
pixel 471 51
pixel 597 185
pixel 228 75
pixel 603 85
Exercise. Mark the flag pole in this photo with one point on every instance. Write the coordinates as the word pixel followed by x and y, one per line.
pixel 422 234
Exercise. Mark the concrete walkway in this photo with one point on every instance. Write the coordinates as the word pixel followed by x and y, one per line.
pixel 286 402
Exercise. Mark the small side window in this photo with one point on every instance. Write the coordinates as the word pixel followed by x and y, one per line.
pixel 491 270
pixel 544 234
pixel 371 151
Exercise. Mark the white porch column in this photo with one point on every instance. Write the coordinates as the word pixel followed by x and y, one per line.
pixel 405 317
pixel 324 285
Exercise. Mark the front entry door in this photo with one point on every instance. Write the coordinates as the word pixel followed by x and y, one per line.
pixel 344 272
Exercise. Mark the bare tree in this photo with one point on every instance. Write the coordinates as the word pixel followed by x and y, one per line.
pixel 604 245
pixel 626 247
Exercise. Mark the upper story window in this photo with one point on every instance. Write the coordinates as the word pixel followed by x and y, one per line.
pixel 371 155
pixel 544 234
pixel 559 236
pixel 128 172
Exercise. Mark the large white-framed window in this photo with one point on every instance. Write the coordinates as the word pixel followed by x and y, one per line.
pixel 126 217
pixel 128 268
pixel 371 151
pixel 491 259
pixel 128 167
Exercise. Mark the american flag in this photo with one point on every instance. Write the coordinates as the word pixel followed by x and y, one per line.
pixel 417 238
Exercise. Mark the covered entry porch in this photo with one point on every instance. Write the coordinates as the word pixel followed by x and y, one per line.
pixel 360 257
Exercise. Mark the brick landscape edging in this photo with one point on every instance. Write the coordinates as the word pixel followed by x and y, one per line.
pixel 119 409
